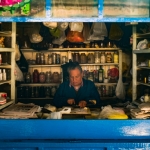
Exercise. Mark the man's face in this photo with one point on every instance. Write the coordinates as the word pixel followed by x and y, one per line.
pixel 75 77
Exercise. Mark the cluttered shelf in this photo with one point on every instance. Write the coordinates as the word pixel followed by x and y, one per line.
pixel 87 64
pixel 72 49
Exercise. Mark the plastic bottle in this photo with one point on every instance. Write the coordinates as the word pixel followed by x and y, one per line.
pixel 0 59
pixel 148 78
pixel 0 75
pixel 4 75
pixel 116 57
pixel 101 75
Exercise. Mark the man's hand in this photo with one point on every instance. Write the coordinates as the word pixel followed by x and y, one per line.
pixel 82 104
pixel 71 101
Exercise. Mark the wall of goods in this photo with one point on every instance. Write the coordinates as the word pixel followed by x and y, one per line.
pixel 100 58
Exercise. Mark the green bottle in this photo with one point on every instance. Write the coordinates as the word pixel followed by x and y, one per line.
pixel 100 75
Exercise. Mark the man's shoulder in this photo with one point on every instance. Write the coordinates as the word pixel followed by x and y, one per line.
pixel 65 83
pixel 87 82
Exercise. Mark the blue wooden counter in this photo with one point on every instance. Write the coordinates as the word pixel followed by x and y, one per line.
pixel 74 134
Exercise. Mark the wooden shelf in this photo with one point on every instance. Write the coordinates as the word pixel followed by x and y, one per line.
pixel 7 50
pixel 6 33
pixel 58 65
pixel 4 82
pixel 140 83
pixel 7 66
pixel 39 84
pixel 143 67
pixel 44 98
pixel 9 102
pixel 72 49
pixel 108 98
pixel 100 64
pixel 141 51
pixel 57 84
pixel 143 35
pixel 53 65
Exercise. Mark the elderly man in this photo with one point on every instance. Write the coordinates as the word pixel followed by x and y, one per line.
pixel 76 91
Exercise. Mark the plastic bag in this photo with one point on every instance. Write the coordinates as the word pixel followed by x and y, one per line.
pixel 120 90
pixel 60 39
pixel 22 63
pixel 76 26
pixel 98 31
pixel 17 53
pixel 142 44
pixel 50 25
pixel 55 32
pixel 34 35
pixel 110 113
pixel 75 36
pixel 86 30
pixel 18 74
pixel 115 32
pixel 62 26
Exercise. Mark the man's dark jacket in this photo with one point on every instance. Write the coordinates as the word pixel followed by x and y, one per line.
pixel 86 92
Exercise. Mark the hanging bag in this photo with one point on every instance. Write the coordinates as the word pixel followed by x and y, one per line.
pixel 120 90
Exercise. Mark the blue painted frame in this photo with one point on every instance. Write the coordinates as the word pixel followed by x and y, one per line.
pixel 40 129
pixel 74 134
pixel 48 17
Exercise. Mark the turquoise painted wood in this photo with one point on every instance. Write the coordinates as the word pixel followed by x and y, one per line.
pixel 49 18
pixel 75 134
pixel 74 129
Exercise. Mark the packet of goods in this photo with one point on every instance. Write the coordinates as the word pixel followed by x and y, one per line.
pixel 109 113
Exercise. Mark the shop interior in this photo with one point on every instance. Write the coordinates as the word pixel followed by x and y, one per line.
pixel 43 50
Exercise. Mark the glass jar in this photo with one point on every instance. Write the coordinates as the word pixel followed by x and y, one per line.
pixel 28 77
pixel 69 55
pixel 42 77
pixel 49 59
pixel 109 58
pixel 103 91
pixel 38 58
pixel 90 77
pixel 97 57
pixel 41 91
pixel 27 92
pixel 56 77
pixel 57 58
pixel 35 76
pixel 91 58
pixel 54 58
pixel 20 92
pixel 42 59
pixel 36 91
pixel 47 92
pixel 53 91
pixel 64 59
pixel 32 92
pixel 48 77
pixel 77 57
pixel 83 58
pixel 103 58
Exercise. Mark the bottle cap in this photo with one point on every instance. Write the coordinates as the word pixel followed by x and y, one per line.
pixel 3 70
